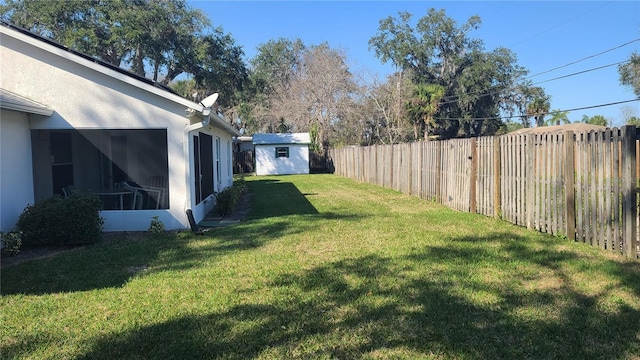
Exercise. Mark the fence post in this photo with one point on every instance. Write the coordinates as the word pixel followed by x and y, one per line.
pixel 569 186
pixel 497 190
pixel 629 187
pixel 474 176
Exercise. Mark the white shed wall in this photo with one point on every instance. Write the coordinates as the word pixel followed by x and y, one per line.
pixel 268 164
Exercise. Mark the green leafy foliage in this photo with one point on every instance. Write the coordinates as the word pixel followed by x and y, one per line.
pixel 437 50
pixel 630 73
pixel 227 200
pixel 157 39
pixel 11 242
pixel 156 226
pixel 423 105
pixel 595 120
pixel 73 220
pixel 558 117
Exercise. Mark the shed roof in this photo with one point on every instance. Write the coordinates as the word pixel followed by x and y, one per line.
pixel 576 127
pixel 276 139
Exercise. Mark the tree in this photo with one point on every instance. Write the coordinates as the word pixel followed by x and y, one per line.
pixel 164 36
pixel 161 39
pixel 557 117
pixel 317 96
pixel 430 50
pixel 511 126
pixel 630 115
pixel 272 70
pixel 275 64
pixel 595 120
pixel 634 120
pixel 630 73
pixel 383 107
pixel 483 91
pixel 518 101
pixel 439 51
pixel 219 67
pixel 422 106
pixel 77 24
pixel 538 108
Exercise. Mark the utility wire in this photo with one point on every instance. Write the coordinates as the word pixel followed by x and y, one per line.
pixel 547 71
pixel 582 72
pixel 559 25
pixel 585 58
pixel 481 93
pixel 549 112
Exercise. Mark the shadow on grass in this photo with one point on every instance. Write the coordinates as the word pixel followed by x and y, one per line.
pixel 422 303
pixel 278 209
pixel 277 198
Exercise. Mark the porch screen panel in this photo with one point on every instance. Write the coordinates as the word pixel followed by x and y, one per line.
pixel 218 178
pixel 196 168
pixel 102 162
pixel 206 164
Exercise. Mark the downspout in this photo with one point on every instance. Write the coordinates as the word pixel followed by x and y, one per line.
pixel 206 118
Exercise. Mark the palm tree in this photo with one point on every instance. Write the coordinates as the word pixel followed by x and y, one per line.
pixel 557 117
pixel 538 108
pixel 595 120
pixel 423 105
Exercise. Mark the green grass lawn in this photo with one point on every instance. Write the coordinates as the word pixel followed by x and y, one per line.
pixel 327 268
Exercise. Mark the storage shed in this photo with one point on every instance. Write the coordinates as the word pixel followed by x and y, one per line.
pixel 282 154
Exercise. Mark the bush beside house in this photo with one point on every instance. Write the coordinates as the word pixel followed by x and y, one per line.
pixel 74 220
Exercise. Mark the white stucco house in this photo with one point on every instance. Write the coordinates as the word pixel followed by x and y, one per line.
pixel 70 122
pixel 282 154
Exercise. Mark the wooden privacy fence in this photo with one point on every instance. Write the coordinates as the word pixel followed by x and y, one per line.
pixel 243 162
pixel 581 185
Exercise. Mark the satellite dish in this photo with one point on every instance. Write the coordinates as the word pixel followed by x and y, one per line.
pixel 209 100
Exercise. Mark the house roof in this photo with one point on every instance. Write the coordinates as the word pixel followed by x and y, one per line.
pixel 576 127
pixel 111 70
pixel 86 57
pixel 277 139
pixel 11 101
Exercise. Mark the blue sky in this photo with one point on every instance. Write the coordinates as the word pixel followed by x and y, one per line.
pixel 543 34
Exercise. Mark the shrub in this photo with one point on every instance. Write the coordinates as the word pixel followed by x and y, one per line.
pixel 227 200
pixel 74 220
pixel 156 226
pixel 11 242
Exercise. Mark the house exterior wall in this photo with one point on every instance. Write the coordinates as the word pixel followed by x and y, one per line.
pixel 85 98
pixel 268 164
pixel 16 178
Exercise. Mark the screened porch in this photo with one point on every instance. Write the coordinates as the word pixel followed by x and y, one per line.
pixel 126 169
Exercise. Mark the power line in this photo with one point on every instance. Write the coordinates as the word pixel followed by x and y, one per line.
pixel 482 93
pixel 545 72
pixel 584 58
pixel 582 72
pixel 559 25
pixel 549 112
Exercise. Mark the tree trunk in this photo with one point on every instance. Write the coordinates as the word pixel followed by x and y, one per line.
pixel 426 128
pixel 138 65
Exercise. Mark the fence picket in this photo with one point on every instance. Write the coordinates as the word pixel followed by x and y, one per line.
pixel 580 184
